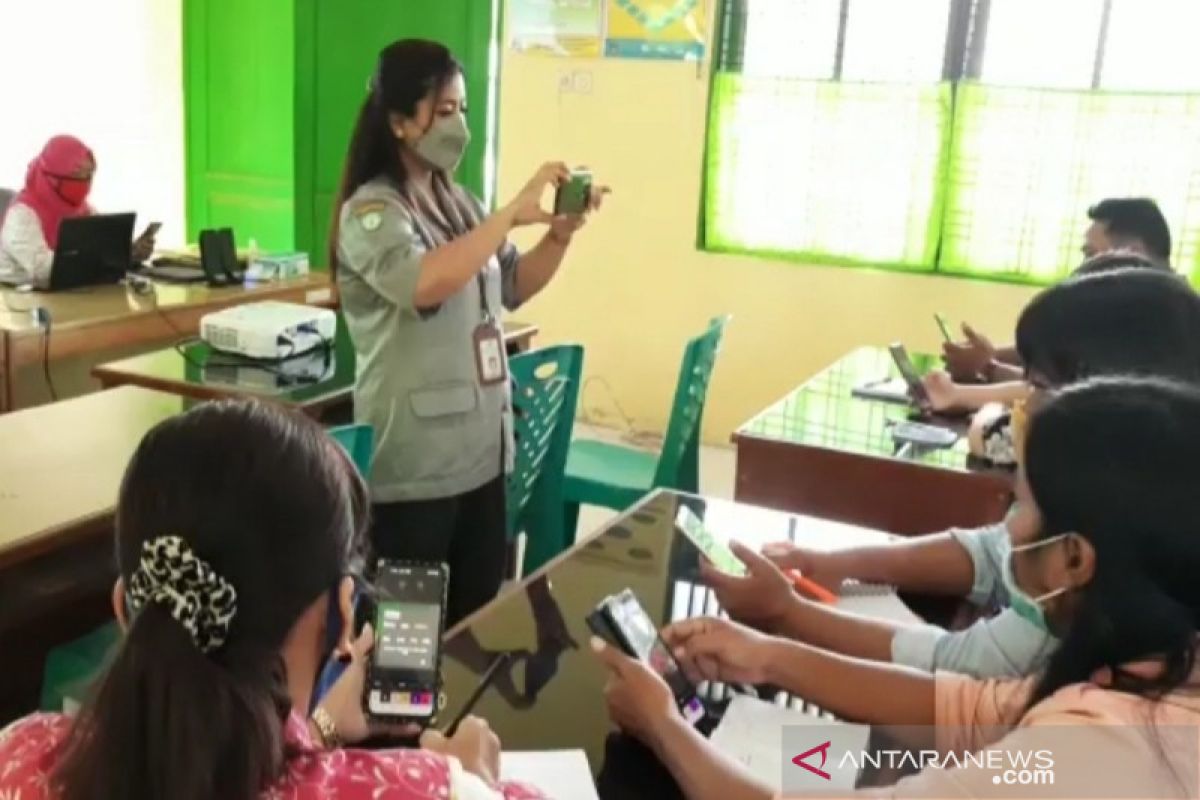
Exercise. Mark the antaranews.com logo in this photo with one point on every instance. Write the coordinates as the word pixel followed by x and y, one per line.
pixel 1010 767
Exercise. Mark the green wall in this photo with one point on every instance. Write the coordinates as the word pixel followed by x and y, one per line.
pixel 272 90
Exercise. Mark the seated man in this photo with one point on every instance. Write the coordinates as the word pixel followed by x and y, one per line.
pixel 1129 225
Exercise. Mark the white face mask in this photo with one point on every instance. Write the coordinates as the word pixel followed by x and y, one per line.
pixel 1021 602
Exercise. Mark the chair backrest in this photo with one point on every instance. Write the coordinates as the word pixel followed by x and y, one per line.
pixel 359 443
pixel 6 198
pixel 679 462
pixel 545 395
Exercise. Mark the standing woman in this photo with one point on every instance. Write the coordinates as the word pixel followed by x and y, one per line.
pixel 423 271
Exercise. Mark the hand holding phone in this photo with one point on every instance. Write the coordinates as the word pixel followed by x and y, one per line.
pixel 912 378
pixel 621 621
pixel 713 545
pixel 575 195
pixel 404 676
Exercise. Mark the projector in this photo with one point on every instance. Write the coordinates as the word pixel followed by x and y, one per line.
pixel 269 330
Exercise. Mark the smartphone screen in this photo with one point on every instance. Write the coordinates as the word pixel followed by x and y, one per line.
pixel 404 676
pixel 714 547
pixel 644 643
pixel 908 371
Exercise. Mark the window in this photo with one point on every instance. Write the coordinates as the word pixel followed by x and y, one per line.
pixel 960 136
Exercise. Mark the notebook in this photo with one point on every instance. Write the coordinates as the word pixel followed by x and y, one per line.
pixel 876 600
pixel 751 733
pixel 560 774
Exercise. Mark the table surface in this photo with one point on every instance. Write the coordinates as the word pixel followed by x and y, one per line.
pixel 314 379
pixel 104 304
pixel 823 412
pixel 553 697
pixel 62 463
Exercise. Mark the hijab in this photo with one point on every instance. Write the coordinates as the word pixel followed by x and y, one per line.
pixel 51 189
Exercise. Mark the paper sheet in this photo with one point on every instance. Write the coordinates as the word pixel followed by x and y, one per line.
pixel 560 774
pixel 751 733
pixel 880 602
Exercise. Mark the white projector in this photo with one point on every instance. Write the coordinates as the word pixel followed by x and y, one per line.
pixel 269 330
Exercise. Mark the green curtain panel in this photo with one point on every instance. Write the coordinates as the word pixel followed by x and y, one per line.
pixel 1026 164
pixel 825 170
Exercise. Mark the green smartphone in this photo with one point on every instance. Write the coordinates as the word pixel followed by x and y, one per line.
pixel 574 196
pixel 941 323
pixel 714 546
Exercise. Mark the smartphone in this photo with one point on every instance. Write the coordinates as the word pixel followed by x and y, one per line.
pixel 621 621
pixel 151 230
pixel 404 673
pixel 909 372
pixel 573 196
pixel 714 546
pixel 943 327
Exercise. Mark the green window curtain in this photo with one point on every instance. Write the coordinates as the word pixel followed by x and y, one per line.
pixel 825 170
pixel 1026 164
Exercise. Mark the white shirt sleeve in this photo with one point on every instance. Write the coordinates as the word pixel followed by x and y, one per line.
pixel 24 255
pixel 986 548
pixel 1004 646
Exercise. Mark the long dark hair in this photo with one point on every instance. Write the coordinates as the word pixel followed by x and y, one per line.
pixel 268 500
pixel 1124 321
pixel 408 71
pixel 1114 461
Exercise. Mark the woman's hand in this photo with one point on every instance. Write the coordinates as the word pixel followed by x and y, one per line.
pixel 344 700
pixel 143 247
pixel 969 360
pixel 761 598
pixel 942 391
pixel 526 207
pixel 564 226
pixel 818 566
pixel 711 649
pixel 474 744
pixel 639 701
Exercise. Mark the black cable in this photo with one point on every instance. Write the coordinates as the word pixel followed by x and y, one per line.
pixel 42 316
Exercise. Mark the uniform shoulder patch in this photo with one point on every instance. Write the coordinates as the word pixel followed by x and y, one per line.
pixel 370 214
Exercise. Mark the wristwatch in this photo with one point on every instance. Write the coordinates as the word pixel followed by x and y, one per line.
pixel 327 730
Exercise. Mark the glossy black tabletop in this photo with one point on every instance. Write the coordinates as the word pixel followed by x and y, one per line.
pixel 552 697
pixel 824 412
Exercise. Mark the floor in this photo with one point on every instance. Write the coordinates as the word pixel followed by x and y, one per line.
pixel 717 467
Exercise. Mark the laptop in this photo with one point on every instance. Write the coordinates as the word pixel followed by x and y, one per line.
pixel 92 251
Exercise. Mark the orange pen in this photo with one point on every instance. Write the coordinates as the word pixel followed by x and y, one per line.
pixel 809 588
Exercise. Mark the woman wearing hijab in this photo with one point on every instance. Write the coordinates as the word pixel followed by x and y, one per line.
pixel 57 185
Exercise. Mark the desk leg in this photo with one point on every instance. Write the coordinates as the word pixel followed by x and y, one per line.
pixel 6 373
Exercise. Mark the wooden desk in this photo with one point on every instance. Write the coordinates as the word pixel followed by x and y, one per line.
pixel 312 383
pixel 110 317
pixel 823 452
pixel 62 466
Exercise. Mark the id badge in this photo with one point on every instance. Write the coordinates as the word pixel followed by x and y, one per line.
pixel 490 365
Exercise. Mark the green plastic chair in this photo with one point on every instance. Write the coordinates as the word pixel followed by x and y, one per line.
pixel 71 667
pixel 359 443
pixel 615 476
pixel 545 395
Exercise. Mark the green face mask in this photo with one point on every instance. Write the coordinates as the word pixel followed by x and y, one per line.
pixel 444 143
pixel 1026 606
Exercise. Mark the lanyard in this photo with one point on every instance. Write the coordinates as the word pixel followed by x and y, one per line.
pixel 485 313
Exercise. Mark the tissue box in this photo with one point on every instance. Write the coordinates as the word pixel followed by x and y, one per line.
pixel 277 266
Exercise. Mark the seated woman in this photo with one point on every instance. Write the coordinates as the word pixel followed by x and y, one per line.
pixel 1105 553
pixel 1132 321
pixel 57 185
pixel 237 525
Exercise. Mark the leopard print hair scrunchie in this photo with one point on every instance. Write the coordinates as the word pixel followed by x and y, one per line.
pixel 187 586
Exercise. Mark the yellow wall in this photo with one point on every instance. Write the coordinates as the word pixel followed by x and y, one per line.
pixel 635 285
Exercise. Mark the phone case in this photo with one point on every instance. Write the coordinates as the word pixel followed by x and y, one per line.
pixel 439 696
